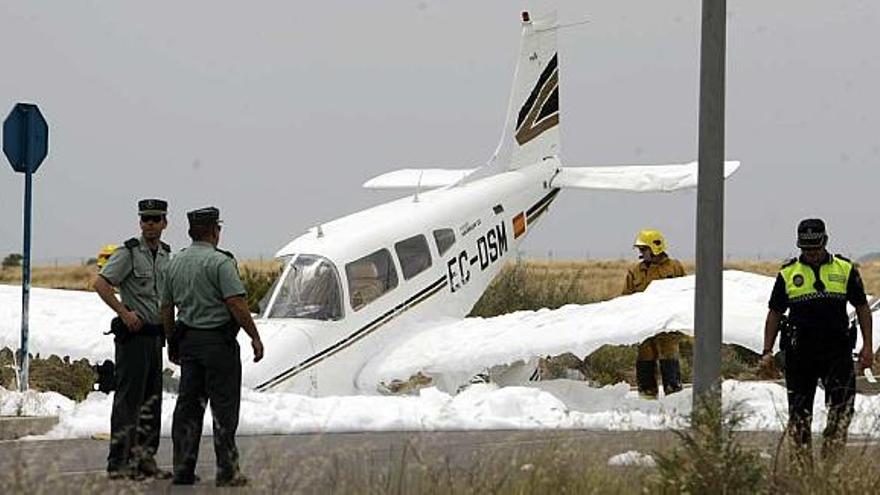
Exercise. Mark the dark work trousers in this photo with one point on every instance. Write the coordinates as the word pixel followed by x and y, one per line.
pixel 136 420
pixel 802 374
pixel 210 371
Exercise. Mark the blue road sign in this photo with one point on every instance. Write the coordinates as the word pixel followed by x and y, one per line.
pixel 25 137
pixel 25 143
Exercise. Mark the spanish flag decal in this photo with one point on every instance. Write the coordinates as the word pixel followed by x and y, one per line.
pixel 519 225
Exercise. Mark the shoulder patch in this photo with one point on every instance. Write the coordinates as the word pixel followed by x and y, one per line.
pixel 165 247
pixel 132 243
pixel 789 262
pixel 227 253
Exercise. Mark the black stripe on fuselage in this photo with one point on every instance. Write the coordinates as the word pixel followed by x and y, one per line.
pixel 540 207
pixel 367 329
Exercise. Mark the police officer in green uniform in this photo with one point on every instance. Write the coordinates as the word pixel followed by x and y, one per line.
pixel 815 288
pixel 204 284
pixel 136 269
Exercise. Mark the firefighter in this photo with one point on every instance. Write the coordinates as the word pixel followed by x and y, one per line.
pixel 104 255
pixel 655 264
pixel 818 341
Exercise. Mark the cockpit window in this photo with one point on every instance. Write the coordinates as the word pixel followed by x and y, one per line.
pixel 267 298
pixel 370 277
pixel 310 290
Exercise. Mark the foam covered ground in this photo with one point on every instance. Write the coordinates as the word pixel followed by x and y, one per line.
pixel 556 404
pixel 70 323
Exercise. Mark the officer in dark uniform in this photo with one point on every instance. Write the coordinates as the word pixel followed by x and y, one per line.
pixel 814 288
pixel 204 284
pixel 136 269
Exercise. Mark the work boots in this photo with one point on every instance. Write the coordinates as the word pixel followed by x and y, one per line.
pixel 670 371
pixel 646 378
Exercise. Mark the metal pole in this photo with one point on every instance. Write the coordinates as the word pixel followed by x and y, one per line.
pixel 26 282
pixel 710 208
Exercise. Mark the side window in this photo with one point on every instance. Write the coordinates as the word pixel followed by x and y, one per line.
pixel 414 256
pixel 370 277
pixel 445 238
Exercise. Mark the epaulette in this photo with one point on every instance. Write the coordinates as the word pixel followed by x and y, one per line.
pixel 165 247
pixel 789 262
pixel 227 253
pixel 132 243
pixel 844 258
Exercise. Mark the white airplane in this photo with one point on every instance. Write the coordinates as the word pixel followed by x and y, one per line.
pixel 351 286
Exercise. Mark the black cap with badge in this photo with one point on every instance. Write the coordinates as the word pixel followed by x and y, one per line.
pixel 811 234
pixel 204 216
pixel 152 207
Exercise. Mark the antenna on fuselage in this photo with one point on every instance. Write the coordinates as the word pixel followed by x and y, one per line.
pixel 418 186
pixel 320 232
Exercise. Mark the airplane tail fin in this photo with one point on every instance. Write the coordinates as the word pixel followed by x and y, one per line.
pixel 531 129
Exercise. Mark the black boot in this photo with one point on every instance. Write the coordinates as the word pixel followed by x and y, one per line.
pixel 670 371
pixel 646 378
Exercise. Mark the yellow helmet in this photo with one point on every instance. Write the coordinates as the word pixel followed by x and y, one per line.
pixel 104 254
pixel 652 239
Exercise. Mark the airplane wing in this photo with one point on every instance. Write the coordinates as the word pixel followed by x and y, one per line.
pixel 417 177
pixel 635 178
pixel 453 352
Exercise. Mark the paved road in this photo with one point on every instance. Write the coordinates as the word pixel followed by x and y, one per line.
pixel 328 462
pixel 343 462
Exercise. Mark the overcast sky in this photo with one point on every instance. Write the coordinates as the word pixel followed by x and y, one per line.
pixel 277 112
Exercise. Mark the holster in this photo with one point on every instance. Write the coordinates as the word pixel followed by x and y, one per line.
pixel 788 337
pixel 105 376
pixel 852 334
pixel 119 330
pixel 122 334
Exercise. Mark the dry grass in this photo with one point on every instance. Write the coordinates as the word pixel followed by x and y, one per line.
pixel 81 277
pixel 586 281
pixel 533 284
pixel 76 277
pixel 871 276
pixel 260 266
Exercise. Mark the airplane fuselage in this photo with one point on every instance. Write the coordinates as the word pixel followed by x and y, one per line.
pixel 488 219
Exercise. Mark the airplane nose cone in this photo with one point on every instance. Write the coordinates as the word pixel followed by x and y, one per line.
pixel 286 343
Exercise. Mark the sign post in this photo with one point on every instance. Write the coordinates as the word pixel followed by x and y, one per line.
pixel 25 143
pixel 710 209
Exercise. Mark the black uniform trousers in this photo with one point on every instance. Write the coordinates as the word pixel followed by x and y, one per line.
pixel 802 373
pixel 136 420
pixel 210 371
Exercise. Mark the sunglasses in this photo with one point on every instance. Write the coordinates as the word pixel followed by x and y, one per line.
pixel 152 218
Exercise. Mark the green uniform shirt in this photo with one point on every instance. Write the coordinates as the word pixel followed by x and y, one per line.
pixel 198 281
pixel 138 274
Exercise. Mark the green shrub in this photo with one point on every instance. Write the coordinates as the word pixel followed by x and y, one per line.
pixel 257 284
pixel 711 458
pixel 521 286
pixel 612 364
pixel 12 260
pixel 72 379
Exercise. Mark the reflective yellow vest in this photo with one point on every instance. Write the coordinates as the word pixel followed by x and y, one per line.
pixel 801 284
